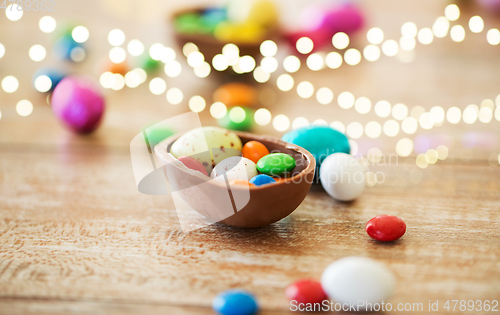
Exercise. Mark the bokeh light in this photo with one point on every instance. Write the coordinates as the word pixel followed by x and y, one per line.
pixel 352 56
pixel 409 125
pixel 417 111
pixel 10 84
pixel 24 108
pixel 133 79
pixel 14 12
pixel 37 53
pixel 219 62
pixel 375 36
pixel 2 50
pixel 260 75
pixel 442 151
pixel 422 160
pixel 363 105
pixel 399 111
pixel 237 114
pixel 218 110
pixel 452 12
pixel 319 122
pixel 391 128
pixel 197 103
pixel 493 37
pixel 106 80
pixel 195 59
pixel 476 24
pixel 470 114
pixel 47 24
pixel 409 29
pixel 203 70
pixel 324 96
pixel 118 82
pixel 135 47
pixel 262 117
pixel 285 82
pixel 304 45
pixel 315 62
pixel 340 40
pixel 485 115
pixel 438 114
pixel 246 64
pixel 383 109
pixel 291 64
pixel 80 34
pixel 404 147
pixel 299 122
pixel 425 36
pixel 268 48
pixel 333 60
pixel 173 69
pixel 117 55
pixel 116 37
pixel 457 33
pixel 174 96
pixel 371 53
pixel 337 125
pixel 281 122
pixel 407 43
pixel 453 115
pixel 425 121
pixel 189 48
pixel 305 89
pixel 232 53
pixel 346 100
pixel 354 130
pixel 156 51
pixel 269 64
pixel 390 48
pixel 157 86
pixel 440 27
pixel 43 83
pixel 373 129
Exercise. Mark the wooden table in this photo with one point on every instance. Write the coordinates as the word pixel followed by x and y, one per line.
pixel 77 237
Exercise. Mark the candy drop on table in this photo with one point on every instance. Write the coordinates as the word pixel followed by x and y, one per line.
pixel 385 228
pixel 237 118
pixel 235 302
pixel 244 33
pixel 262 179
pixel 189 23
pixel 320 141
pixel 193 164
pixel 213 16
pixel 276 164
pixel 236 94
pixel 358 280
pixel 120 68
pixel 254 150
pixel 209 145
pixel 53 75
pixel 148 64
pixel 234 168
pixel 342 176
pixel 78 103
pixel 306 291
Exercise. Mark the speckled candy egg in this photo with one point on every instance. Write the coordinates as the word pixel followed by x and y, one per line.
pixel 342 177
pixel 358 280
pixel 235 168
pixel 78 103
pixel 209 145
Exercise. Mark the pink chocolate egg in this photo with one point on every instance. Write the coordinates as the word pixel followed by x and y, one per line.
pixel 493 5
pixel 193 164
pixel 78 103
pixel 346 18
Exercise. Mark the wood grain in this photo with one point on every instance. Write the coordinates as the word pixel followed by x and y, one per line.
pixel 77 237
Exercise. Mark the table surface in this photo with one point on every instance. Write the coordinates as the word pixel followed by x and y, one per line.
pixel 76 236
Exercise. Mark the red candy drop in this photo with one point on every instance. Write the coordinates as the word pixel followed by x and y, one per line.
pixel 306 291
pixel 386 228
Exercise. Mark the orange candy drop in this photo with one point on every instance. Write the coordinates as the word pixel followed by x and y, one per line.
pixel 254 151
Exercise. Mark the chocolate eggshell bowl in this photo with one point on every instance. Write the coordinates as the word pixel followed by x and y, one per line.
pixel 240 205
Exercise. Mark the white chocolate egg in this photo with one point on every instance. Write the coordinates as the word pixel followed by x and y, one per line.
pixel 235 168
pixel 209 145
pixel 342 176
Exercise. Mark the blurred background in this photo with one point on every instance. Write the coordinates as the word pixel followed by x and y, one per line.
pixel 414 79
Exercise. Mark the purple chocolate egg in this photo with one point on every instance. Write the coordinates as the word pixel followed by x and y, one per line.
pixel 77 101
pixel 493 5
pixel 346 18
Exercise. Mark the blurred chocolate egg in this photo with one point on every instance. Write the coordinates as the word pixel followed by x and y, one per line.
pixel 78 103
pixel 346 18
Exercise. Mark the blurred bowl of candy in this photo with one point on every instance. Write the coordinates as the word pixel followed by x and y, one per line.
pixel 244 23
